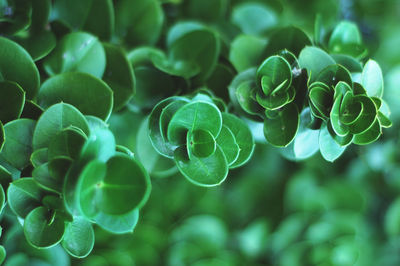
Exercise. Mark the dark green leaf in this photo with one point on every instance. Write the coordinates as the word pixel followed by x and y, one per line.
pixel 246 51
pixel 208 171
pixel 12 98
pixel 368 136
pixel 90 95
pixel 68 142
pixel 53 120
pixel 17 65
pixel 243 138
pixel 314 60
pixel 200 143
pixel 290 38
pixel 41 230
pixel 118 224
pixel 227 142
pixel 78 239
pixel 77 52
pixel 18 142
pixel 24 195
pixel 193 116
pixel 281 127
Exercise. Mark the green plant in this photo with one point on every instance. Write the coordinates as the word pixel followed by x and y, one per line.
pixel 100 99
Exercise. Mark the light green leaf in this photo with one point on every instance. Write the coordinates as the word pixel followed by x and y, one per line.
pixel 372 79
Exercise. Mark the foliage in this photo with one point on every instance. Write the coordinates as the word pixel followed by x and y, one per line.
pixel 104 102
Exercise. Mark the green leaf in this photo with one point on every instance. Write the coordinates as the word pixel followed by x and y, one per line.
pixel 17 147
pixel 100 145
pixel 46 180
pixel 246 51
pixel 38 44
pixel 314 60
pixel 90 95
pixel 194 46
pixel 306 141
pixel 92 16
pixel 384 121
pixel 39 157
pixel 53 120
pixel 243 138
pixel 193 116
pixel 368 136
pixel 1 135
pixel 119 75
pixel 254 18
pixel 200 143
pixel 68 142
pixel 116 187
pixel 41 230
pixel 207 172
pixel 24 195
pixel 367 116
pixel 12 98
pixel 246 97
pixel 280 127
pixel 77 52
pixel 2 198
pixel 329 148
pixel 207 10
pixel 17 65
pixel 157 139
pixel 346 39
pixel 78 239
pixel 139 22
pixel 274 75
pixel 3 254
pixel 167 114
pixel 5 177
pixel 372 79
pixel 333 74
pixel 290 38
pixel 227 142
pixel 349 62
pixel 118 224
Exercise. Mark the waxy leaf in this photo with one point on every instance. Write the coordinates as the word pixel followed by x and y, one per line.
pixel 39 157
pixel 306 141
pixel 346 39
pixel 100 145
pixel 200 143
pixel 12 98
pixel 78 239
pixel 246 97
pixel 329 148
pixel 274 75
pixel 31 110
pixel 116 187
pixel 243 138
pixel 314 60
pixel 17 147
pixel 227 142
pixel 24 195
pixel 68 142
pixel 193 116
pixel 38 44
pixel 246 52
pixel 47 180
pixel 119 75
pixel 55 119
pixel 139 22
pixel 90 95
pixel 1 135
pixel 368 136
pixel 77 52
pixel 17 65
pixel 290 38
pixel 118 224
pixel 280 127
pixel 156 137
pixel 42 230
pixel 254 18
pixel 207 172
pixel 372 79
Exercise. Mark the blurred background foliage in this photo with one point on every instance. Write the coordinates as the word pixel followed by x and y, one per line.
pixel 271 211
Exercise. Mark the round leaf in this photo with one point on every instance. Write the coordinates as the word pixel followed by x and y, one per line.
pixel 207 172
pixel 119 75
pixel 24 195
pixel 329 148
pixel 314 60
pixel 41 231
pixel 227 142
pixel 201 143
pixel 17 65
pixel 78 239
pixel 90 95
pixel 372 79
pixel 12 98
pixel 53 120
pixel 118 224
pixel 18 142
pixel 77 51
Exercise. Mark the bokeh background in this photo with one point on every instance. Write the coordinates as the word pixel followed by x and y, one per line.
pixel 271 211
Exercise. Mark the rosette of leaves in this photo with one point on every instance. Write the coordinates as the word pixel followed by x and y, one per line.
pixel 204 140
pixel 192 51
pixel 80 177
pixel 314 102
